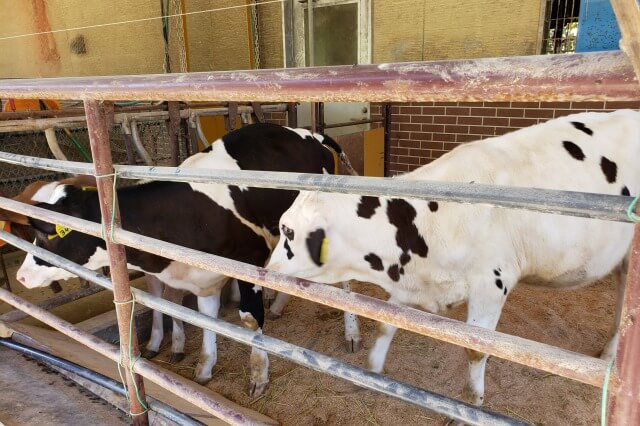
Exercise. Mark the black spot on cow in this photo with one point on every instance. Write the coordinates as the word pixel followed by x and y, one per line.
pixel 433 206
pixel 580 126
pixel 288 249
pixel 401 215
pixel 574 150
pixel 505 290
pixel 314 245
pixel 367 206
pixel 499 283
pixel 288 232
pixel 496 272
pixel 394 272
pixel 404 259
pixel 625 191
pixel 609 168
pixel 401 271
pixel 374 261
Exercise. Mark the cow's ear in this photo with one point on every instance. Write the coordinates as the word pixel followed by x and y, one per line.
pixel 317 244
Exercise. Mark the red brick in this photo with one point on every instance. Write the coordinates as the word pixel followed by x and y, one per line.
pixel 563 112
pixel 466 138
pixel 446 137
pixel 401 118
pixel 399 135
pixel 510 112
pixel 444 119
pixel 425 160
pixel 423 118
pixel 420 136
pixel 412 167
pixel 433 128
pixel 622 104
pixel 448 146
pixel 522 122
pixel 405 127
pixel 409 143
pixel 503 130
pixel 554 105
pixel 470 104
pixel 420 152
pixel 458 110
pixel 432 145
pixel 423 104
pixel 434 110
pixel 456 129
pixel 495 121
pixel 481 130
pixel 470 120
pixel 410 110
pixel 445 103
pixel 496 104
pixel 395 109
pixel 525 104
pixel 588 105
pixel 399 168
pixel 399 151
pixel 407 160
pixel 395 126
pixel 483 112
pixel 437 154
pixel 538 113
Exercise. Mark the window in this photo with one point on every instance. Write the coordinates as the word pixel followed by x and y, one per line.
pixel 560 26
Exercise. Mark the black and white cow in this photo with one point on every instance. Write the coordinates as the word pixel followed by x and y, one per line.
pixel 434 255
pixel 240 223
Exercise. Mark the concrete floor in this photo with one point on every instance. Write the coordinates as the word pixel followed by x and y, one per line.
pixel 32 394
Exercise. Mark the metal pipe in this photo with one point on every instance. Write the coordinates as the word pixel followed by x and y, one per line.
pixel 180 386
pixel 52 142
pixel 137 144
pixel 354 123
pixel 581 204
pixel 577 77
pixel 292 114
pixel 455 409
pixel 70 112
pixel 53 302
pixel 101 151
pixel 200 133
pixel 538 355
pixel 387 137
pixel 158 406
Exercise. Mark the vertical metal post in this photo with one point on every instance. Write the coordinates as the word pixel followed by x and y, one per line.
pixel 624 403
pixel 320 117
pixel 96 113
pixel 311 47
pixel 386 113
pixel 292 114
pixel 174 131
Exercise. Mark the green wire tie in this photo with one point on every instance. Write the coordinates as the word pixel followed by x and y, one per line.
pixel 605 391
pixel 633 217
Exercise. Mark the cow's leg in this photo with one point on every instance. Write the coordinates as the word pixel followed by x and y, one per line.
pixel 609 351
pixel 351 327
pixel 486 299
pixel 277 306
pixel 177 334
pixel 270 296
pixel 155 287
pixel 378 353
pixel 252 316
pixel 208 305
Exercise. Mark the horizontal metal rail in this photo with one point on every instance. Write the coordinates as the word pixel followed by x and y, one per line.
pixel 316 361
pixel 545 357
pixel 581 204
pixel 584 76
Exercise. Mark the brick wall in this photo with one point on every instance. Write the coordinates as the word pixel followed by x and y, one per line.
pixel 422 132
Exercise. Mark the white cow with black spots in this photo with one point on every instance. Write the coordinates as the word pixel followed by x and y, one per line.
pixel 435 255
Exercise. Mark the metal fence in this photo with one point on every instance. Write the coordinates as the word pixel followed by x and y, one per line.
pixel 607 76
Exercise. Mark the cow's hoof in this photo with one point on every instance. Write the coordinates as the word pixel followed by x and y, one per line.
pixel 176 357
pixel 257 389
pixel 202 380
pixel 148 354
pixel 273 316
pixel 352 345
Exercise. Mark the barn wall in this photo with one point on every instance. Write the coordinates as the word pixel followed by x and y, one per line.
pixel 413 30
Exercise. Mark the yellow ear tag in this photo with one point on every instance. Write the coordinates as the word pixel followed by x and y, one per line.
pixel 324 251
pixel 61 231
pixel 89 188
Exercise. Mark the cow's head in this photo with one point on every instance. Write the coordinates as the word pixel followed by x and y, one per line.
pixel 77 247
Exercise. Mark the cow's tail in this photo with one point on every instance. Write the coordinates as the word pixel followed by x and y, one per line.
pixel 344 158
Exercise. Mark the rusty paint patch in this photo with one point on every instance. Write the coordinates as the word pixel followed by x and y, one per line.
pixel 46 43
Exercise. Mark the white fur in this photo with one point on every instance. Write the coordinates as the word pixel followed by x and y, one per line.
pixel 467 242
pixel 45 193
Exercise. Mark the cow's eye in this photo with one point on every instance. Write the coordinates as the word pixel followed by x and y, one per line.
pixel 288 232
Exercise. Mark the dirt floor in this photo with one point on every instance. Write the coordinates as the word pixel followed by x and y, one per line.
pixel 578 320
pixel 33 394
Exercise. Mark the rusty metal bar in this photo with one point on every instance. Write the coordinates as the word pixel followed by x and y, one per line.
pixel 292 114
pixel 577 77
pixel 101 150
pixel 182 388
pixel 581 204
pixel 455 409
pixel 538 355
pixel 53 302
pixel 174 132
